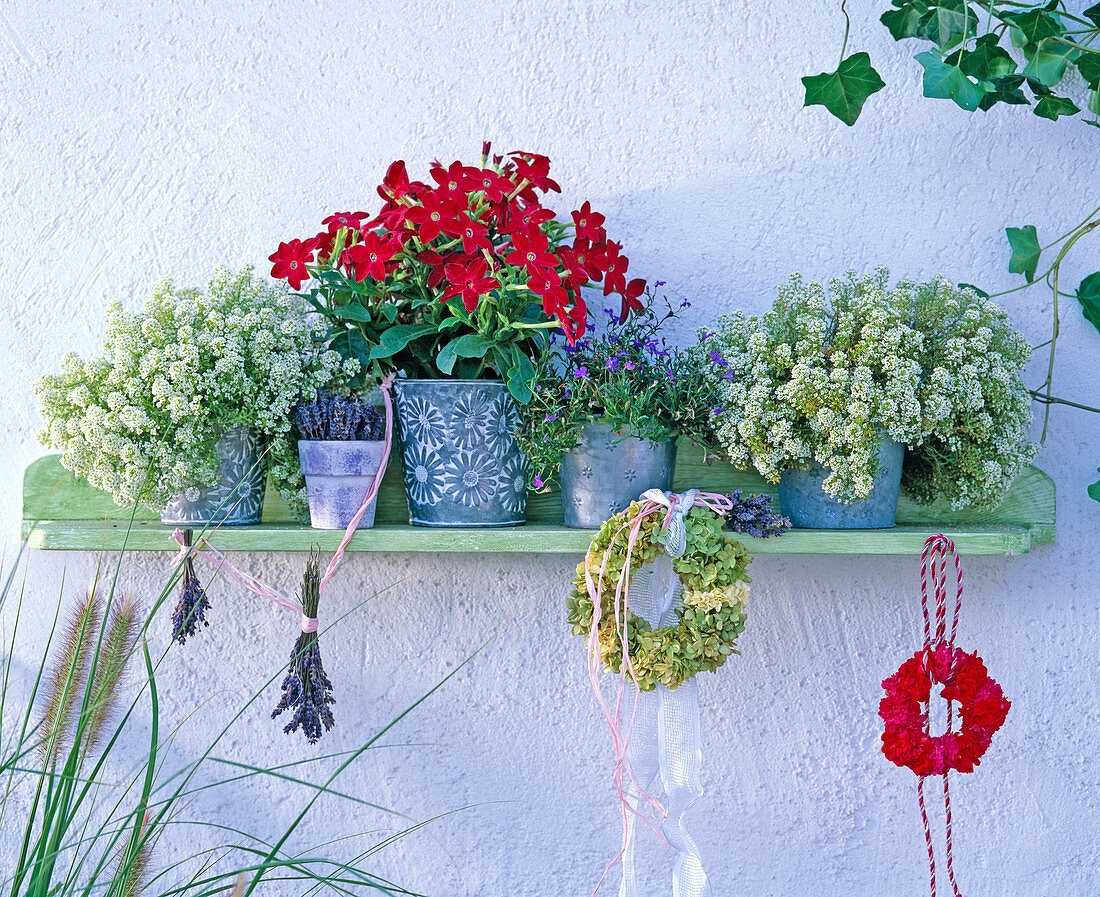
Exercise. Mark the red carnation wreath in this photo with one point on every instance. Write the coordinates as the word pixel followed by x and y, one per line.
pixel 982 708
pixel 904 708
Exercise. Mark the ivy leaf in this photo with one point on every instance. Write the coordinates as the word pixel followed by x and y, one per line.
pixel 1094 489
pixel 1025 250
pixel 947 82
pixel 844 91
pixel 1088 294
pixel 946 21
pixel 1048 62
pixel 1088 64
pixel 903 22
pixel 988 60
pixel 1093 13
pixel 978 290
pixel 1052 107
pixel 1035 24
pixel 1006 89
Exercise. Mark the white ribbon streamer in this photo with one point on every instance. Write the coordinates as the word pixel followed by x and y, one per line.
pixel 679 505
pixel 665 736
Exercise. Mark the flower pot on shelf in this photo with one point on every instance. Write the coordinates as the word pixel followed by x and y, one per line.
pixel 463 465
pixel 804 500
pixel 606 471
pixel 339 473
pixel 237 498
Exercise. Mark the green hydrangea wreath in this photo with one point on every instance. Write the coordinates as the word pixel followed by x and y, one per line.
pixel 709 619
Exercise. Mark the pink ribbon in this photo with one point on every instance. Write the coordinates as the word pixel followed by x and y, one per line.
pixel 309 624
pixel 621 742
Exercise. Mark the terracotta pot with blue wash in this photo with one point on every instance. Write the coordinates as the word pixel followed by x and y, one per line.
pixel 463 464
pixel 339 473
pixel 607 471
pixel 237 498
pixel 803 499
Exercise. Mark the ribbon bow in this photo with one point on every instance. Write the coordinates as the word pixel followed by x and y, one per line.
pixel 678 505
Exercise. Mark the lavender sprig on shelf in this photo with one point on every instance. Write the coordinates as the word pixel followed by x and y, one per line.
pixel 306 688
pixel 754 515
pixel 332 416
pixel 193 604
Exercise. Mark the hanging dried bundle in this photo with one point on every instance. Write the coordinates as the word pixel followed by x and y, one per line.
pixel 306 688
pixel 755 515
pixel 193 604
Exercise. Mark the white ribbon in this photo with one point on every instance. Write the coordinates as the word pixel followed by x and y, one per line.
pixel 676 540
pixel 665 737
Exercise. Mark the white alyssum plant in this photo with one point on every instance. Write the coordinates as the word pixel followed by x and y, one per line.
pixel 141 420
pixel 827 375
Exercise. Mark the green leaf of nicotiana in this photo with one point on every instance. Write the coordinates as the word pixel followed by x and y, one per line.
pixel 1093 13
pixel 988 60
pixel 1035 24
pixel 1047 64
pixel 1025 250
pixel 1052 107
pixel 1006 89
pixel 521 376
pixel 903 22
pixel 354 311
pixel 844 91
pixel 947 22
pixel 947 82
pixel 1088 64
pixel 469 345
pixel 393 339
pixel 1088 294
pixel 1094 489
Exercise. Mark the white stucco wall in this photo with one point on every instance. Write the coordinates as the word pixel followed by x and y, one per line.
pixel 142 139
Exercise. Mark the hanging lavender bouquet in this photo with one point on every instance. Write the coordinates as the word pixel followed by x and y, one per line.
pixel 306 688
pixel 334 417
pixel 193 604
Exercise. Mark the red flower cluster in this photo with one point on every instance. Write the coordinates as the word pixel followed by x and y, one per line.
pixel 478 230
pixel 904 708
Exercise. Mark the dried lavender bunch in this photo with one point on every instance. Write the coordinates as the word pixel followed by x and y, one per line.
pixel 755 516
pixel 332 416
pixel 193 604
pixel 306 687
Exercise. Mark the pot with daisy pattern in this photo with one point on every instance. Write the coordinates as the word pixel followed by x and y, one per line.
pixel 462 463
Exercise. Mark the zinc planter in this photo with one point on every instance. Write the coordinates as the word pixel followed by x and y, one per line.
pixel 807 504
pixel 605 472
pixel 237 498
pixel 462 463
pixel 339 474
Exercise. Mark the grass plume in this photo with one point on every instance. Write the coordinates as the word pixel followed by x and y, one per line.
pixel 68 674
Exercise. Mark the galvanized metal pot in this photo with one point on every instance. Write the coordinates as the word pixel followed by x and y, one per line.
pixel 606 471
pixel 339 474
pixel 807 504
pixel 237 498
pixel 463 465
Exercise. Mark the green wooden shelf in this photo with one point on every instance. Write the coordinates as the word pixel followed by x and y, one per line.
pixel 64 513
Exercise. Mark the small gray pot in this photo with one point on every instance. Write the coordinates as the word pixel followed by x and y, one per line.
pixel 237 498
pixel 339 473
pixel 803 499
pixel 605 472
pixel 463 465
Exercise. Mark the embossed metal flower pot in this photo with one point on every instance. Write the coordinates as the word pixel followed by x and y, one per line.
pixel 339 474
pixel 237 498
pixel 605 472
pixel 807 504
pixel 463 465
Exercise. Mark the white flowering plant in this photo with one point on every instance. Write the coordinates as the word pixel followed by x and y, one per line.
pixel 141 420
pixel 827 374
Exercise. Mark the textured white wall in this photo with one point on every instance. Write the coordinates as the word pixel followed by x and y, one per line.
pixel 141 139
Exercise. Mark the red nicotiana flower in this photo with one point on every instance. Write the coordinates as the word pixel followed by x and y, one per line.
pixel 587 222
pixel 474 234
pixel 547 284
pixel 592 259
pixel 536 169
pixel 325 241
pixel 470 281
pixel 458 178
pixel 522 217
pixel 631 302
pixel 615 278
pixel 492 186
pixel 337 220
pixel 290 261
pixel 396 183
pixel 434 213
pixel 369 257
pixel 572 272
pixel 437 274
pixel 532 250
